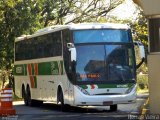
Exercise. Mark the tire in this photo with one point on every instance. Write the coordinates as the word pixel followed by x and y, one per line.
pixel 24 96
pixel 28 97
pixel 37 102
pixel 64 108
pixel 113 107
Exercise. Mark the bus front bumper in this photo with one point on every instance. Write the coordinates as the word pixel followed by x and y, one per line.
pixel 80 99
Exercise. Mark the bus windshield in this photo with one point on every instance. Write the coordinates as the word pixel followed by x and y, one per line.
pixel 102 35
pixel 105 63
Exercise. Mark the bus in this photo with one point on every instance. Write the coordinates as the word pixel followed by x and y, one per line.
pixel 78 64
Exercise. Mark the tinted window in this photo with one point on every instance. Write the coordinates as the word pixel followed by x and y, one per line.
pixel 39 47
pixel 106 35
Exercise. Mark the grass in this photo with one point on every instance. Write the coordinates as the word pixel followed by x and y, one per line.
pixel 16 98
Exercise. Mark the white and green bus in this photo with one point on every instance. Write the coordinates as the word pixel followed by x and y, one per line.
pixel 78 65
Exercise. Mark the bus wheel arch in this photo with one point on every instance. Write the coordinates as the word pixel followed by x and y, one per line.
pixel 59 91
pixel 60 99
pixel 23 91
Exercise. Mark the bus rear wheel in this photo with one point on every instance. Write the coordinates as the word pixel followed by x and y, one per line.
pixel 113 107
pixel 29 100
pixel 24 96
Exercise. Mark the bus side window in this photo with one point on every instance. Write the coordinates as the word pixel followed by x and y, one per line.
pixel 56 48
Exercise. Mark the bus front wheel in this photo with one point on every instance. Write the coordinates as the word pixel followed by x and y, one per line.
pixel 64 108
pixel 113 107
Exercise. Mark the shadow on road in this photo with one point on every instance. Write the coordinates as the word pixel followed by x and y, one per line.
pixel 50 111
pixel 72 109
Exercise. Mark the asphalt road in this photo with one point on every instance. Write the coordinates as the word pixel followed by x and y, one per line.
pixel 49 111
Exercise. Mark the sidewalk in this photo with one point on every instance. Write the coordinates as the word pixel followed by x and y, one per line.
pixel 144 109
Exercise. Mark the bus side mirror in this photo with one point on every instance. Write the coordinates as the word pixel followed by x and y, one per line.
pixel 141 48
pixel 141 51
pixel 73 55
pixel 73 52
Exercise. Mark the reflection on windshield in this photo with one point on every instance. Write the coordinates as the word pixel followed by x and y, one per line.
pixel 105 35
pixel 90 62
pixel 104 63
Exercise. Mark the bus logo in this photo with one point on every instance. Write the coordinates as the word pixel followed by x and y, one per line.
pixel 18 69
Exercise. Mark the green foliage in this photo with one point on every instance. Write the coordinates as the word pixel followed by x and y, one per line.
pixel 4 76
pixel 16 19
pixel 142 82
pixel 140 31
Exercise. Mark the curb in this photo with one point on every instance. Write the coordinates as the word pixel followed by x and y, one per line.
pixel 143 109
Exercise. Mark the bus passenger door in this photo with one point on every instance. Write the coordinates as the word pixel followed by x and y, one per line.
pixel 70 93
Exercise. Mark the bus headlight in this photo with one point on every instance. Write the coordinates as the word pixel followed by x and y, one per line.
pixel 83 90
pixel 130 89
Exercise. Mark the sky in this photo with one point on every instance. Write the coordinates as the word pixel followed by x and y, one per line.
pixel 127 10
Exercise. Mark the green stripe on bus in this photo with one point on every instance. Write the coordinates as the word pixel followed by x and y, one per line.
pixel 49 68
pixel 115 85
pixel 83 86
pixel 110 85
pixel 25 69
pixel 44 68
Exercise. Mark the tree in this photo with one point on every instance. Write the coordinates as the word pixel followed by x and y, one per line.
pixel 75 11
pixel 139 33
pixel 16 19
pixel 93 10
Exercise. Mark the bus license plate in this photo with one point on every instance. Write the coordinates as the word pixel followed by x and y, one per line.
pixel 108 103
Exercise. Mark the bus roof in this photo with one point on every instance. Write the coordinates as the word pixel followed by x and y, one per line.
pixel 98 26
pixel 74 27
